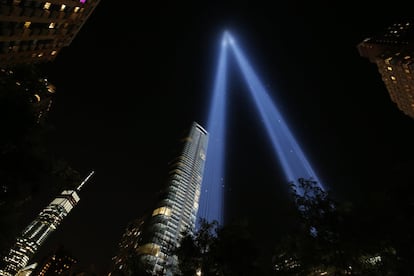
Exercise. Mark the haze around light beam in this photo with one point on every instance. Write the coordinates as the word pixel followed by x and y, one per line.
pixel 288 152
pixel 291 157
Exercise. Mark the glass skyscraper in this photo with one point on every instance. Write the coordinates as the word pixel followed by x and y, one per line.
pixel 174 213
pixel 34 235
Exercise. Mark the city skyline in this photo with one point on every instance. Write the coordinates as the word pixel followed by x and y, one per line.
pixel 334 99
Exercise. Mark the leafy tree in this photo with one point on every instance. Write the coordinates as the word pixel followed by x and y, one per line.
pixel 218 250
pixel 330 238
pixel 194 252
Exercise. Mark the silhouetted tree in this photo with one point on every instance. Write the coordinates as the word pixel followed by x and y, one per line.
pixel 330 239
pixel 219 250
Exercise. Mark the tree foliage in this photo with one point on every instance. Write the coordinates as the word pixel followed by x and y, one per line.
pixel 218 250
pixel 332 238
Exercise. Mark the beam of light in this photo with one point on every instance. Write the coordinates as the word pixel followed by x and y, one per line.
pixel 212 187
pixel 291 157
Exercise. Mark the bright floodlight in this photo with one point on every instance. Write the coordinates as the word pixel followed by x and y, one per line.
pixel 291 157
pixel 212 187
pixel 227 39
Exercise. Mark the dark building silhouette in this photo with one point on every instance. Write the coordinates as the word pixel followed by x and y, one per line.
pixel 393 53
pixel 58 263
pixel 33 88
pixel 124 261
pixel 33 31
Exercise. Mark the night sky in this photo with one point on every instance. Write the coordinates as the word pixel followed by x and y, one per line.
pixel 135 78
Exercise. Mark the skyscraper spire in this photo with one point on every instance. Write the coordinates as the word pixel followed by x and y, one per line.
pixel 84 181
pixel 34 235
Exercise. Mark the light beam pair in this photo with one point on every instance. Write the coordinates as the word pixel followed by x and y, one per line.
pixel 291 157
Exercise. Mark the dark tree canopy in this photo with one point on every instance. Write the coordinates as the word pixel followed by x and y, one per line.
pixel 331 237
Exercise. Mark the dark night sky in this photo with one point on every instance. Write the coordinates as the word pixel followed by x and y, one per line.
pixel 136 76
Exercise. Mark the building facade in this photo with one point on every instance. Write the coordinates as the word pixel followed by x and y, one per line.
pixel 58 263
pixel 176 211
pixel 123 262
pixel 34 235
pixel 393 53
pixel 33 31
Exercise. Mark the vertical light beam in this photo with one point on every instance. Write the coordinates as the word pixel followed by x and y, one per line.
pixel 291 157
pixel 212 187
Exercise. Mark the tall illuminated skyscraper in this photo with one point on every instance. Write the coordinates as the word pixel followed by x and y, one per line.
pixel 175 212
pixel 34 235
pixel 33 31
pixel 393 52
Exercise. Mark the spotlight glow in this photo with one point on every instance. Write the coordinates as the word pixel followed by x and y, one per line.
pixel 291 157
pixel 212 187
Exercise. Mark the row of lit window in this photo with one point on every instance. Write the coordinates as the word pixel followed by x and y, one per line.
pixel 47 5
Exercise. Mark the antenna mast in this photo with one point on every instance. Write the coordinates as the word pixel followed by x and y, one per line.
pixel 84 181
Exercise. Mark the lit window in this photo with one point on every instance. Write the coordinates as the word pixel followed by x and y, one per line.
pixel 76 9
pixel 52 25
pixel 149 248
pixel 40 55
pixel 37 97
pixel 389 68
pixel 393 78
pixel 407 57
pixel 27 24
pixel 53 53
pixel 46 6
pixel 387 61
pixel 162 211
pixel 62 7
pixel 51 88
